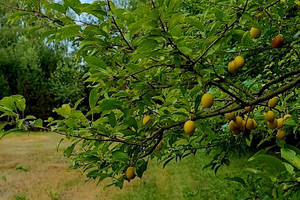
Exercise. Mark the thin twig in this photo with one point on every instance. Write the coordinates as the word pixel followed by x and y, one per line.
pixel 120 31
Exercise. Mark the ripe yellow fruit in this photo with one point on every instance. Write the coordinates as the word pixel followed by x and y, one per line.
pixel 243 126
pixel 250 124
pixel 130 173
pixel 287 116
pixel 259 15
pixel 273 102
pixel 230 116
pixel 298 3
pixel 239 122
pixel 231 67
pixel 207 100
pixel 273 124
pixel 236 132
pixel 248 108
pixel 189 128
pixel 255 32
pixel 255 125
pixel 232 126
pixel 239 61
pixel 146 119
pixel 280 134
pixel 280 122
pixel 270 116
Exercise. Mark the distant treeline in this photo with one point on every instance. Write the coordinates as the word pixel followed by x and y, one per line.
pixel 47 76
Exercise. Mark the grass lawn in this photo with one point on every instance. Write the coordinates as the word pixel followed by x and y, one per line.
pixel 32 169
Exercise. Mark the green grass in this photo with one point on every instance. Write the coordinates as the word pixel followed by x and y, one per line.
pixel 184 180
pixel 20 196
pixel 187 180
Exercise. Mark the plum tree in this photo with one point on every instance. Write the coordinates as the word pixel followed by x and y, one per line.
pixel 177 62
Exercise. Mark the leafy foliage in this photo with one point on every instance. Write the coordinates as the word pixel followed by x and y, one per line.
pixel 43 74
pixel 157 59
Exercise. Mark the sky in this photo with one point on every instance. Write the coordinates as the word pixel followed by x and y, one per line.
pixel 86 1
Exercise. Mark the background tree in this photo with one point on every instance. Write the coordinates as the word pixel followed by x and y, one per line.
pixel 163 77
pixel 46 75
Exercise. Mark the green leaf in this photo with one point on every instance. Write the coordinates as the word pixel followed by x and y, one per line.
pixel 141 168
pixel 56 6
pixel 70 31
pixel 260 152
pixel 238 180
pixel 246 40
pixel 72 3
pixel 20 122
pixel 290 122
pixel 247 16
pixel 218 14
pixel 93 98
pixel 181 113
pixel 271 161
pixel 69 150
pixel 197 102
pixel 186 50
pixel 291 157
pixel 289 168
pixel 95 62
pixel 57 146
pixel 8 132
pixel 112 119
pixel 2 127
pixel 147 44
pixel 194 21
pixel 131 122
pixel 108 104
pixel 8 102
pixel 77 103
pixel 47 33
pixel 120 155
pixel 21 103
pixel 38 122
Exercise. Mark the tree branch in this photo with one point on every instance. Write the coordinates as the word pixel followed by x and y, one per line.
pixel 228 27
pixel 267 85
pixel 87 138
pixel 228 92
pixel 120 31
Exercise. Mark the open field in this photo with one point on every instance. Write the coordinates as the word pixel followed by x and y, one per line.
pixel 32 169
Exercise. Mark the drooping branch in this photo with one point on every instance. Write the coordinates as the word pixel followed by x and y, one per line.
pixel 146 69
pixel 223 110
pixel 37 13
pixel 40 14
pixel 108 139
pixel 218 112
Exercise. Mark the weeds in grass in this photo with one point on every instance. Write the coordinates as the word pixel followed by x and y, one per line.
pixel 3 178
pixel 54 196
pixel 22 168
pixel 20 196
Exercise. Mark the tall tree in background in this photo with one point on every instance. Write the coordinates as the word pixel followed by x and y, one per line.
pixel 46 75
pixel 171 77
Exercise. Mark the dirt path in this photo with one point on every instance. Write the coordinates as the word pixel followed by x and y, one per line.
pixel 48 176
